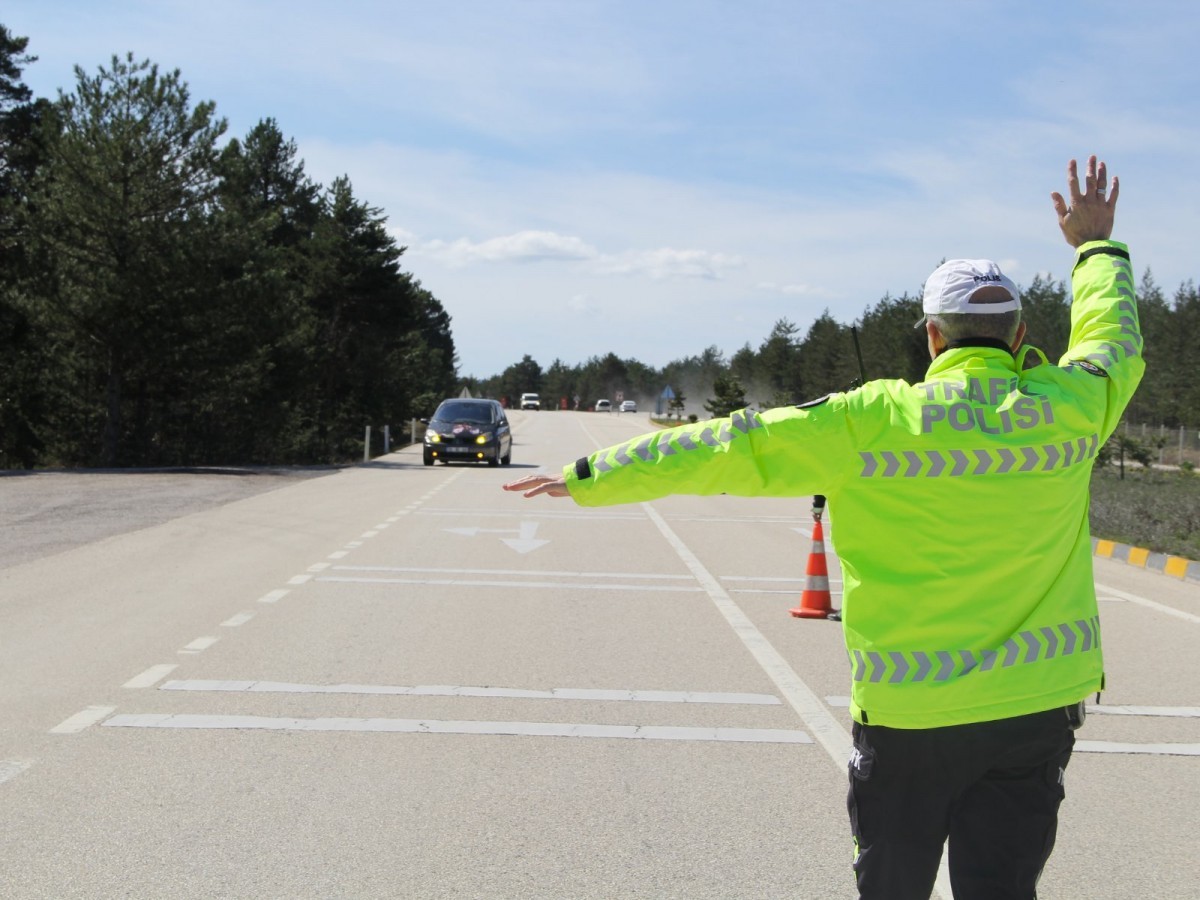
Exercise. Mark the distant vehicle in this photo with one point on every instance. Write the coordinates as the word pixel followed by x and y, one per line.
pixel 603 406
pixel 468 431
pixel 531 401
pixel 628 406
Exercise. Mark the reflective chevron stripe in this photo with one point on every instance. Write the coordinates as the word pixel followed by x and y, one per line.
pixel 1049 642
pixel 668 443
pixel 935 463
pixel 1130 342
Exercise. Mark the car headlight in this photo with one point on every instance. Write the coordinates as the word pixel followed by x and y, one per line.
pixel 483 439
pixel 433 437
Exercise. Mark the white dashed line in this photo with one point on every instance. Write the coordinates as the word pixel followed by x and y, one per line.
pixel 82 720
pixel 199 644
pixel 11 768
pixel 151 676
pixel 299 579
pixel 274 596
pixel 240 619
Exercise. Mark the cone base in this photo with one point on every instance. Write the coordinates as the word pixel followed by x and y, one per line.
pixel 811 613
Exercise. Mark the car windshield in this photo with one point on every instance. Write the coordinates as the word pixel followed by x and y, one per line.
pixel 461 411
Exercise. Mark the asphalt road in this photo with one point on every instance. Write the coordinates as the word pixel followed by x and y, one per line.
pixel 398 681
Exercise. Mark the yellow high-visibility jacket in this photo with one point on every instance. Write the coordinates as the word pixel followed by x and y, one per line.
pixel 959 508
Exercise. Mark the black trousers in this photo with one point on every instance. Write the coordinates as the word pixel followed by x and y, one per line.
pixel 992 788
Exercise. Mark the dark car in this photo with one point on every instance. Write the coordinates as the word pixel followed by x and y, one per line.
pixel 468 430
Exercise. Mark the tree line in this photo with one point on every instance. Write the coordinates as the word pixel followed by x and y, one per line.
pixel 791 367
pixel 169 298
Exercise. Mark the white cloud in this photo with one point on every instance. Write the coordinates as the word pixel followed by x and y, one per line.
pixel 794 290
pixel 665 263
pixel 524 246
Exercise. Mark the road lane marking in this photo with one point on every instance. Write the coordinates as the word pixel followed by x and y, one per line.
pixel 832 736
pixel 1146 749
pixel 492 514
pixel 81 720
pixel 434 726
pixel 319 567
pixel 787 579
pixel 151 676
pixel 526 539
pixel 1179 712
pixel 548 573
pixel 444 690
pixel 553 585
pixel 1150 604
pixel 11 768
pixel 199 645
pixel 595 515
pixel 369 534
pixel 240 619
pixel 338 554
pixel 829 733
pixel 274 596
pixel 1111 747
pixel 299 579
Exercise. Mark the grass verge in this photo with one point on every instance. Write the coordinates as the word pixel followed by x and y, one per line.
pixel 1151 508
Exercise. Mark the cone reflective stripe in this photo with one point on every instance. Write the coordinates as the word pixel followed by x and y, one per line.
pixel 815 602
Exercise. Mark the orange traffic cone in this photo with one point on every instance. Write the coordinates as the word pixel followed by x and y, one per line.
pixel 815 601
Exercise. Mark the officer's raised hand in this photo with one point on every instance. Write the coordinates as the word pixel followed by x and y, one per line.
pixel 1089 215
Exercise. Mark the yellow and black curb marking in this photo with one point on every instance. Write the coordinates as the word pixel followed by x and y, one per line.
pixel 1175 566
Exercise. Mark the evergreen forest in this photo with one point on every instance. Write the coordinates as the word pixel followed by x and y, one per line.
pixel 171 295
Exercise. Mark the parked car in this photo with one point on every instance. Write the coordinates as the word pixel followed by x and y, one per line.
pixel 628 406
pixel 468 430
pixel 531 401
pixel 603 406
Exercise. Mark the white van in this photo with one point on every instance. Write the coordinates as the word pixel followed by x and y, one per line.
pixel 531 401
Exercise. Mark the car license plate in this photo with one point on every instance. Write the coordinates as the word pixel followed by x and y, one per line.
pixel 458 449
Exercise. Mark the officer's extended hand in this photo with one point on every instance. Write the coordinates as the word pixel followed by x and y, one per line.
pixel 532 485
pixel 1089 216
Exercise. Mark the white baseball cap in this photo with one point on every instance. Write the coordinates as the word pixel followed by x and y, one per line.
pixel 953 285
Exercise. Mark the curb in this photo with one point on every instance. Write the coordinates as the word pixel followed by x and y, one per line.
pixel 1175 566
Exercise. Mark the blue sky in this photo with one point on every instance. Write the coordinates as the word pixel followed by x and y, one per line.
pixel 654 177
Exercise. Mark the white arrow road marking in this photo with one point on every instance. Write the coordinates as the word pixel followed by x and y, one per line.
pixel 524 542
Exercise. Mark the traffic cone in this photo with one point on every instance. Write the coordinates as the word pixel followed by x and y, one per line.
pixel 815 601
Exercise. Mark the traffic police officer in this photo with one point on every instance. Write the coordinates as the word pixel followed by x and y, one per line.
pixel 961 504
